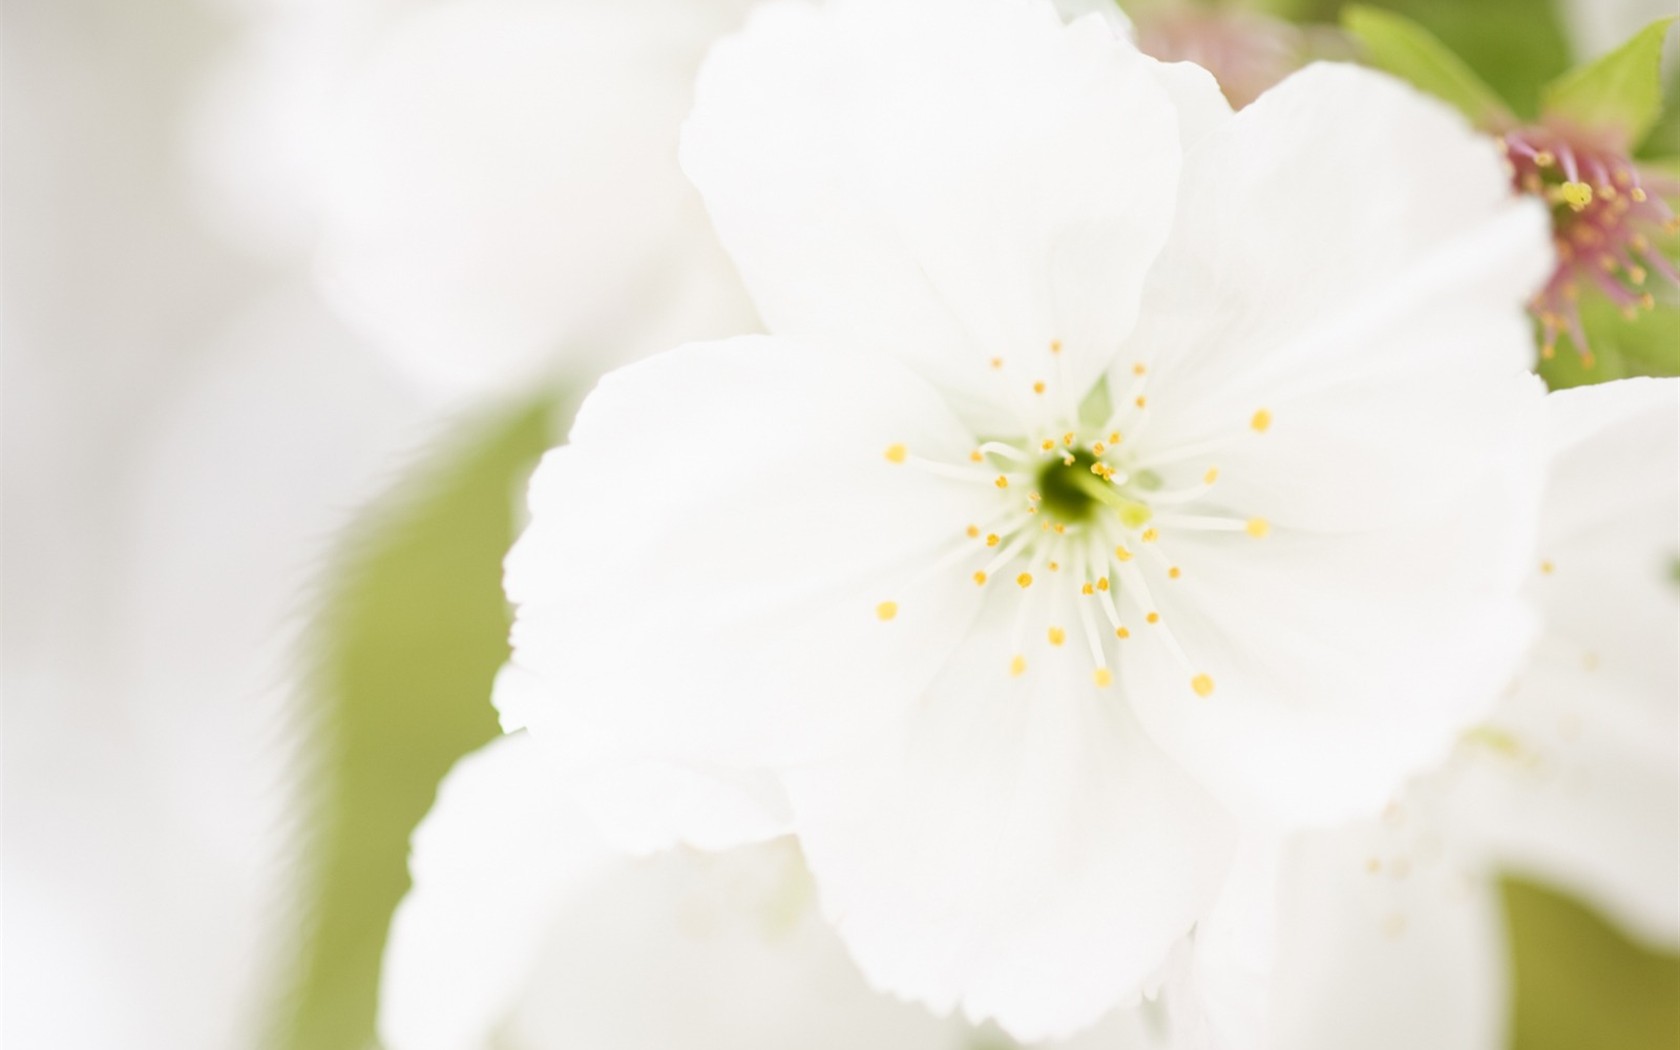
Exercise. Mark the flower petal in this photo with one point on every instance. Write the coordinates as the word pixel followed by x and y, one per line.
pixel 501 193
pixel 1348 258
pixel 1576 778
pixel 949 182
pixel 734 560
pixel 494 863
pixel 1018 848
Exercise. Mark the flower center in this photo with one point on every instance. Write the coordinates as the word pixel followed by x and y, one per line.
pixel 1084 525
pixel 1606 213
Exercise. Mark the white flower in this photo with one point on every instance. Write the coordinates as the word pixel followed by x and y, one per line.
pixel 1386 933
pixel 1120 472
pixel 526 930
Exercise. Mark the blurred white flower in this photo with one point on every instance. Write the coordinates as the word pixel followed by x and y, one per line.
pixel 1386 934
pixel 1095 496
pixel 526 930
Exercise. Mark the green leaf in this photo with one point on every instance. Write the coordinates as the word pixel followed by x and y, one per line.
pixel 1580 983
pixel 409 632
pixel 1402 47
pixel 1621 91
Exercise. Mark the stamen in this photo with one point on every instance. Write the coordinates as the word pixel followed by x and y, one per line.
pixel 1261 421
pixel 1203 685
pixel 897 453
pixel 886 611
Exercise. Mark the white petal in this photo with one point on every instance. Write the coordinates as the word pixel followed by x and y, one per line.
pixel 1577 778
pixel 707 559
pixel 1018 849
pixel 1348 257
pixel 501 192
pixel 498 858
pixel 1371 302
pixel 1370 937
pixel 947 181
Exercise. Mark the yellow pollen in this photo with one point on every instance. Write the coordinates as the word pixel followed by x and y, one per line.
pixel 886 610
pixel 1059 528
pixel 1055 566
pixel 1102 583
pixel 897 453
pixel 1544 159
pixel 1035 496
pixel 1067 439
pixel 980 579
pixel 1057 636
pixel 1103 677
pixel 1259 528
pixel 1122 632
pixel 1001 482
pixel 1141 401
pixel 992 539
pixel 1038 387
pixel 1114 437
pixel 1018 666
pixel 1139 369
pixel 1211 476
pixel 1153 617
pixel 997 362
pixel 1123 554
pixel 1203 685
pixel 1097 448
pixel 1150 535
pixel 1174 573
pixel 1547 567
pixel 1262 419
pixel 1637 275
pixel 1055 346
pixel 1637 194
pixel 1087 589
pixel 1046 445
pixel 973 531
pixel 1576 194
pixel 975 457
pixel 1025 580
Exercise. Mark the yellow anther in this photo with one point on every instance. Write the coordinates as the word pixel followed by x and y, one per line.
pixel 1057 636
pixel 886 610
pixel 1139 369
pixel 992 539
pixel 1140 401
pixel 1055 566
pixel 1025 580
pixel 1544 158
pixel 1575 194
pixel 973 531
pixel 1211 476
pixel 1261 421
pixel 1059 528
pixel 1018 666
pixel 1097 448
pixel 1174 573
pixel 980 579
pixel 1648 301
pixel 1114 437
pixel 1150 536
pixel 1103 677
pixel 1001 482
pixel 1637 274
pixel 1067 439
pixel 1637 194
pixel 1055 346
pixel 897 453
pixel 1035 496
pixel 1087 589
pixel 1046 445
pixel 997 362
pixel 1203 685
pixel 1102 583
pixel 1259 528
pixel 1038 387
pixel 1122 554
pixel 1122 632
pixel 975 456
pixel 1547 567
pixel 1153 617
pixel 1587 358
